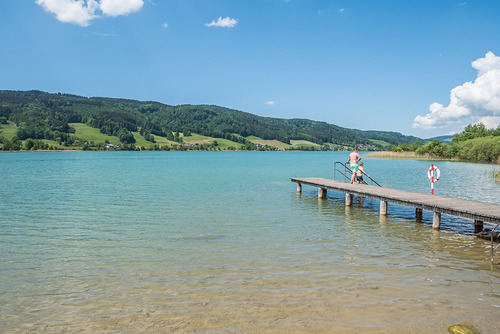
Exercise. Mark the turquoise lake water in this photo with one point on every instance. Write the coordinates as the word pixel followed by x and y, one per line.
pixel 184 242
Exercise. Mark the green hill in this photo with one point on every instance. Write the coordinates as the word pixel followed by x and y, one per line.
pixel 445 139
pixel 54 117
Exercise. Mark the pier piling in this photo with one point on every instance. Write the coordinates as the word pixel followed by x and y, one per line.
pixel 418 214
pixel 436 220
pixel 383 207
pixel 478 226
pixel 348 199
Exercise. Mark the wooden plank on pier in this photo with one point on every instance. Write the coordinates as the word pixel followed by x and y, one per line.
pixel 478 211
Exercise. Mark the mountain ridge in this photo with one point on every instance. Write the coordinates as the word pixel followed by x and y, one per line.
pixel 42 115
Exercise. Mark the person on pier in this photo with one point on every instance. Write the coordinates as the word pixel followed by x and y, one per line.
pixel 359 174
pixel 353 160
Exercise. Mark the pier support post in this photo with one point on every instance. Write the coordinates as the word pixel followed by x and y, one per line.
pixel 299 187
pixel 478 226
pixel 348 199
pixel 383 207
pixel 418 214
pixel 321 192
pixel 436 220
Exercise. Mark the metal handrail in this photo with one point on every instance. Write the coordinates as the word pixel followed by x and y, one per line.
pixel 346 171
pixel 340 171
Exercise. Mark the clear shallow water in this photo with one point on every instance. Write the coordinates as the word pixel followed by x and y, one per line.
pixel 132 242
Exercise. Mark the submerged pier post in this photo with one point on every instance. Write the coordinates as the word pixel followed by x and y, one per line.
pixel 478 226
pixel 418 214
pixel 436 220
pixel 321 192
pixel 299 187
pixel 348 199
pixel 383 207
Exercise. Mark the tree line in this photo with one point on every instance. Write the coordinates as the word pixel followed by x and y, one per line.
pixel 475 143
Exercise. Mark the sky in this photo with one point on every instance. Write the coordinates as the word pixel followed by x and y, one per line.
pixel 420 67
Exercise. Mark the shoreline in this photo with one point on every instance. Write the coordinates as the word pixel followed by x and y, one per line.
pixel 414 156
pixel 370 154
pixel 37 151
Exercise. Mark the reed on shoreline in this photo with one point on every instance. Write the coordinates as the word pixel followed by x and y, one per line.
pixel 414 156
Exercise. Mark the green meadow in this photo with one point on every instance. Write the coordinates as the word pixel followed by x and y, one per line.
pixel 283 146
pixel 380 142
pixel 8 130
pixel 84 133
pixel 87 133
pixel 274 143
pixel 298 143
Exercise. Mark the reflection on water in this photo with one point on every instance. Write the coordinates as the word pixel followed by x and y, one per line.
pixel 210 242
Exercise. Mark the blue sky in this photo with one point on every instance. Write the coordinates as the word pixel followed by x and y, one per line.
pixel 419 67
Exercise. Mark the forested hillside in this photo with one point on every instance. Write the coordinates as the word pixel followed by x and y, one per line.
pixel 40 115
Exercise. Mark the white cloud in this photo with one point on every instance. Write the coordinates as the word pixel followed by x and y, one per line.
pixel 81 12
pixel 120 7
pixel 270 103
pixel 70 11
pixel 165 25
pixel 341 10
pixel 477 101
pixel 490 121
pixel 223 22
pixel 98 33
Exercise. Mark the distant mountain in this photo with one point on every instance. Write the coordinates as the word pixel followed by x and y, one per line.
pixel 445 139
pixel 41 115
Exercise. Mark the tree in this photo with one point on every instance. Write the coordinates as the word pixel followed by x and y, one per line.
pixel 471 131
pixel 126 136
pixel 11 145
pixel 29 144
pixel 414 146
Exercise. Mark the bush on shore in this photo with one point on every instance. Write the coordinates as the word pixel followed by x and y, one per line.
pixel 475 143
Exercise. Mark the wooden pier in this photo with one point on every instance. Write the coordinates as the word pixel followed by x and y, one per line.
pixel 480 212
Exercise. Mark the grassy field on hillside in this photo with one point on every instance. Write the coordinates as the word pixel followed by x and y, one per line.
pixel 280 145
pixel 141 142
pixel 8 130
pixel 275 143
pixel 303 143
pixel 379 142
pixel 222 143
pixel 196 138
pixel 160 141
pixel 85 132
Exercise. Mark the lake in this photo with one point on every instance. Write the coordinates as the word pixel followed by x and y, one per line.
pixel 184 242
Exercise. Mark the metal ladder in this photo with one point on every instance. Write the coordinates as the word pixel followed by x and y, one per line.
pixel 340 167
